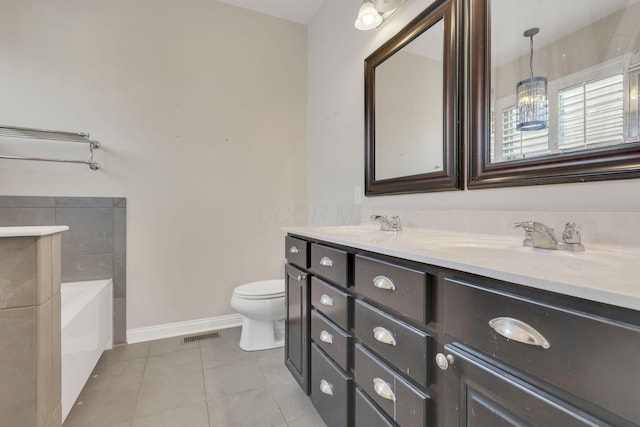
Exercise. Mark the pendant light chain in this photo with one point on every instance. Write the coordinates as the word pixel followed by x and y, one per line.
pixel 531 56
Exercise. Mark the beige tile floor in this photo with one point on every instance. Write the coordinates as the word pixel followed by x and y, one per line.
pixel 210 383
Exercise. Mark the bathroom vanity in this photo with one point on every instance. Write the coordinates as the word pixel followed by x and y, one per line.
pixel 424 327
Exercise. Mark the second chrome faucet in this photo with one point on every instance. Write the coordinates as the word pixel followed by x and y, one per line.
pixel 538 235
pixel 387 224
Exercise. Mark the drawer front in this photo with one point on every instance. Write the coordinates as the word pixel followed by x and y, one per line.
pixel 331 301
pixel 405 347
pixel 402 289
pixel 403 403
pixel 333 340
pixel 296 251
pixel 366 413
pixel 589 357
pixel 329 390
pixel 330 263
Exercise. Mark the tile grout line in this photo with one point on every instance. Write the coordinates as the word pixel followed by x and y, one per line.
pixel 204 384
pixel 146 360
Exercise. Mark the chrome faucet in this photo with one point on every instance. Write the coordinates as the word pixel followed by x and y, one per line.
pixel 387 224
pixel 538 235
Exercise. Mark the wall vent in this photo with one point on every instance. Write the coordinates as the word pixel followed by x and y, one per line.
pixel 201 337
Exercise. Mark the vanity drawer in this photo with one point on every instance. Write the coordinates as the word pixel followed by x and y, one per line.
pixel 296 251
pixel 330 389
pixel 331 301
pixel 588 356
pixel 402 289
pixel 403 403
pixel 333 340
pixel 405 347
pixel 330 263
pixel 366 414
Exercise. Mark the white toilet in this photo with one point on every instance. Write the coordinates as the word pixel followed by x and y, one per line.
pixel 262 305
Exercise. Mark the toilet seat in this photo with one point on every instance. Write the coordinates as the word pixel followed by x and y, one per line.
pixel 266 289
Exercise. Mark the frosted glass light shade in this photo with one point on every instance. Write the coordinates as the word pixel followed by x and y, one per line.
pixel 387 5
pixel 532 105
pixel 368 17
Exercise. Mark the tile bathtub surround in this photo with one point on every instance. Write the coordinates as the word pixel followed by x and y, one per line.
pixel 199 384
pixel 29 335
pixel 94 247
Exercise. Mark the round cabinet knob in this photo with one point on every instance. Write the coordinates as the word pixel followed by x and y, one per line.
pixel 443 361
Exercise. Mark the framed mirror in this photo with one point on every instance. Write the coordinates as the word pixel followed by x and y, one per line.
pixel 411 142
pixel 553 91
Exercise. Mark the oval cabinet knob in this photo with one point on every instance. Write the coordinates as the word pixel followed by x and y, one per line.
pixel 326 387
pixel 294 250
pixel 383 389
pixel 326 300
pixel 519 331
pixel 383 282
pixel 326 337
pixel 384 335
pixel 443 361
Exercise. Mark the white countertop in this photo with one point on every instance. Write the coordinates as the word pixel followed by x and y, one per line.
pixel 32 231
pixel 601 273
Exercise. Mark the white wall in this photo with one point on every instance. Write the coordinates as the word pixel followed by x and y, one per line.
pixel 336 135
pixel 201 109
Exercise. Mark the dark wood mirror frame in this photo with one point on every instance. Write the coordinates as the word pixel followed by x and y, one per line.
pixel 618 162
pixel 450 177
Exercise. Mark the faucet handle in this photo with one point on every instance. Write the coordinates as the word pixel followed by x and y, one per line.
pixel 528 227
pixel 395 222
pixel 571 233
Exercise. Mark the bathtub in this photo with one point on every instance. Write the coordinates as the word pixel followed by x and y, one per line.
pixel 86 331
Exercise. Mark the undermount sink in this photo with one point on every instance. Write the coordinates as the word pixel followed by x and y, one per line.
pixel 352 229
pixel 367 233
pixel 499 252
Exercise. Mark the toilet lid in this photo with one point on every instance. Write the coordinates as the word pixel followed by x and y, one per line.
pixel 262 289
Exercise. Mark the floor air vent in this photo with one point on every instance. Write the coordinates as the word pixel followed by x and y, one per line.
pixel 201 337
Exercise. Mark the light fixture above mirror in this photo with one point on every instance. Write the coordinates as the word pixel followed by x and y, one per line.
pixel 373 13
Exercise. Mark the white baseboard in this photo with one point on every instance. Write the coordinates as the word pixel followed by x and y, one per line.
pixel 169 330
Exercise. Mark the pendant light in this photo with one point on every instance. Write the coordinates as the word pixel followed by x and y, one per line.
pixel 532 104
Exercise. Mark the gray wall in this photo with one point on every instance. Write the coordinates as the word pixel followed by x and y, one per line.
pixel 94 247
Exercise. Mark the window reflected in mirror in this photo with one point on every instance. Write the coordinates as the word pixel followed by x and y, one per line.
pixel 588 51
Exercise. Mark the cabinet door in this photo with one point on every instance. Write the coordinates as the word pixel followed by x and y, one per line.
pixel 481 395
pixel 296 330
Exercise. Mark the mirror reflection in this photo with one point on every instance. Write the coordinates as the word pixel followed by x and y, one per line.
pixel 409 108
pixel 587 53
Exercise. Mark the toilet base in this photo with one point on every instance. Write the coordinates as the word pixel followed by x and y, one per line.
pixel 261 334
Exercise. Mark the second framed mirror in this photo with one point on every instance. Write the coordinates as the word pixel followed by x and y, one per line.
pixel 554 91
pixel 411 135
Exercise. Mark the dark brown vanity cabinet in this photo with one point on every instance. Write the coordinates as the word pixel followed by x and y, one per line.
pixel 326 356
pixel 381 341
pixel 393 353
pixel 482 395
pixel 524 357
pixel 296 331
